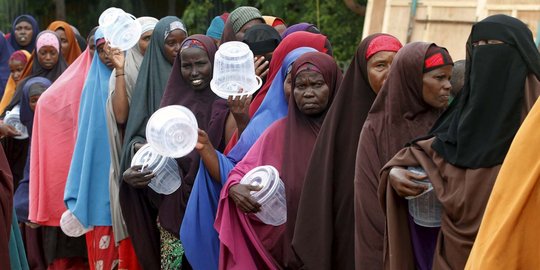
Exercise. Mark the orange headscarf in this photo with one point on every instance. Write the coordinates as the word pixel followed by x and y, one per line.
pixel 74 49
pixel 11 86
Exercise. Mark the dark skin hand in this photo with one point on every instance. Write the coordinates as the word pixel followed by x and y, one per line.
pixel 401 180
pixel 8 130
pixel 239 107
pixel 241 196
pixel 137 179
pixel 261 67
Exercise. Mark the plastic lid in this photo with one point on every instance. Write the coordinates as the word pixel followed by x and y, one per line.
pixel 71 226
pixel 266 177
pixel 231 88
pixel 12 118
pixel 172 131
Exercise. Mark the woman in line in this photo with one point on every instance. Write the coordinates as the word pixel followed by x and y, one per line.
pixel 47 62
pixel 68 40
pixel 415 93
pixel 120 94
pixel 24 31
pixel 55 120
pixel 202 206
pixel 86 193
pixel 138 206
pixel 465 149
pixel 246 242
pixel 325 222
pixel 17 62
pixel 198 235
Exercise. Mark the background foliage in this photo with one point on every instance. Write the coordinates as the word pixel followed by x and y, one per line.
pixel 333 18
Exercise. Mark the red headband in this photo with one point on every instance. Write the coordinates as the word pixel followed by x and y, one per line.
pixel 383 43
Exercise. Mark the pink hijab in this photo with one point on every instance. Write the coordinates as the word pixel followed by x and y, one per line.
pixel 53 140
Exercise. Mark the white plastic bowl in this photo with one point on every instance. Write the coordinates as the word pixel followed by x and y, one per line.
pixel 120 28
pixel 166 175
pixel 234 69
pixel 425 208
pixel 271 196
pixel 71 225
pixel 13 118
pixel 172 131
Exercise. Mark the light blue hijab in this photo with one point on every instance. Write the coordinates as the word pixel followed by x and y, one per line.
pixel 87 187
pixel 197 233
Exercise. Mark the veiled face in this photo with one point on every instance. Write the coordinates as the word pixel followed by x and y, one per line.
pixel 144 41
pixel 311 93
pixel 240 34
pixel 23 33
pixel 172 44
pixel 436 87
pixel 196 68
pixel 47 57
pixel 377 69
pixel 64 43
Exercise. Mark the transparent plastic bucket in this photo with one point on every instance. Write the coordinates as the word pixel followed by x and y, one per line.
pixel 172 131
pixel 13 118
pixel 120 28
pixel 272 195
pixel 234 69
pixel 166 175
pixel 425 208
pixel 71 225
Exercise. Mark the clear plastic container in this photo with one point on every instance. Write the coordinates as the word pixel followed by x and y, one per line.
pixel 13 118
pixel 172 131
pixel 271 196
pixel 120 28
pixel 166 175
pixel 425 208
pixel 234 69
pixel 71 225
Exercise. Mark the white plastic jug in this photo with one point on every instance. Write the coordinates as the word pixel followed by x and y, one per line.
pixel 271 197
pixel 425 208
pixel 166 175
pixel 172 131
pixel 71 225
pixel 13 118
pixel 234 69
pixel 120 28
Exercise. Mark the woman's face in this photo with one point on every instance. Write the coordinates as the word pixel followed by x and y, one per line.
pixel 33 102
pixel 91 46
pixel 64 43
pixel 287 87
pixel 311 93
pixel 196 68
pixel 436 87
pixel 47 57
pixel 172 44
pixel 104 57
pixel 16 67
pixel 377 69
pixel 144 41
pixel 23 33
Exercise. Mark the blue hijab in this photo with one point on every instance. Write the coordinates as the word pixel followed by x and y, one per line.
pixel 5 54
pixel 197 233
pixel 35 28
pixel 87 187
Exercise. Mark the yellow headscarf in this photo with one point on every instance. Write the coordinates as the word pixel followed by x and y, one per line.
pixel 10 87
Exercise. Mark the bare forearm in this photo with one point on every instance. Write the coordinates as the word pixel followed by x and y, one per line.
pixel 211 162
pixel 120 99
